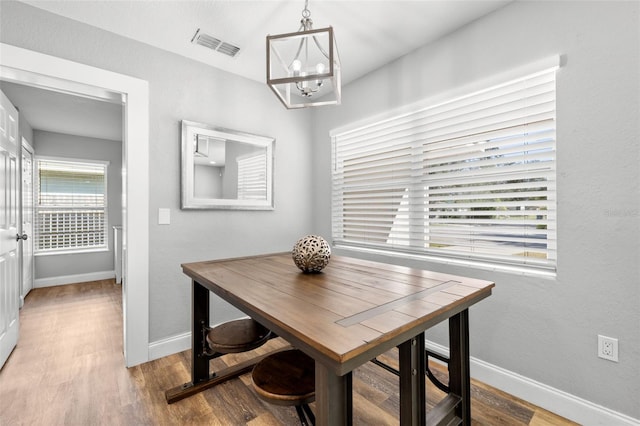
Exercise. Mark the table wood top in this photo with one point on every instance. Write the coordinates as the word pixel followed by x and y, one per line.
pixel 345 315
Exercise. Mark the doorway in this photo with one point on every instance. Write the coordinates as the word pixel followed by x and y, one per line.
pixel 35 69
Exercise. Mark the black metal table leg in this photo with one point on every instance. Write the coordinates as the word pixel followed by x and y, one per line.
pixel 412 357
pixel 459 369
pixel 200 318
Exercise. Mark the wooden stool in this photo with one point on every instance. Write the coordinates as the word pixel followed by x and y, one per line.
pixel 237 336
pixel 230 337
pixel 287 378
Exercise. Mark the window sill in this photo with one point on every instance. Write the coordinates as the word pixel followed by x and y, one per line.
pixel 73 251
pixel 487 266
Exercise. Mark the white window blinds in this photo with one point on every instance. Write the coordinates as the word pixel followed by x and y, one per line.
pixel 71 205
pixel 472 178
pixel 252 177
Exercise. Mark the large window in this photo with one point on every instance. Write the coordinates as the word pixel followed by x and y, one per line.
pixel 472 178
pixel 71 205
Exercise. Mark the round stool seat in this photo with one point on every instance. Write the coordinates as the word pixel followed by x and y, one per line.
pixel 237 336
pixel 285 378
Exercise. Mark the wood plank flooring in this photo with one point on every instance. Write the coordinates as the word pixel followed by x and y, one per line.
pixel 68 369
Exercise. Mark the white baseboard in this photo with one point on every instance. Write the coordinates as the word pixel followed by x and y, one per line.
pixel 559 402
pixel 169 346
pixel 72 279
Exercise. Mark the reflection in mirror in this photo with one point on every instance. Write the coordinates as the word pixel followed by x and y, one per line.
pixel 225 169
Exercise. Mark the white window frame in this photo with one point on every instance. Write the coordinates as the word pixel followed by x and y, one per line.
pixel 38 251
pixel 396 157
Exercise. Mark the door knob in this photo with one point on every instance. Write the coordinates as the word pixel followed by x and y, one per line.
pixel 21 237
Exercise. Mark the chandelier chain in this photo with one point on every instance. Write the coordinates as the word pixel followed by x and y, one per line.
pixel 306 13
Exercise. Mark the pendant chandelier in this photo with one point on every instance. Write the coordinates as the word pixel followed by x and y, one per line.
pixel 303 68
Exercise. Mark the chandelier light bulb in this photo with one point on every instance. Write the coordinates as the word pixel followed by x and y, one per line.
pixel 296 65
pixel 320 68
pixel 304 84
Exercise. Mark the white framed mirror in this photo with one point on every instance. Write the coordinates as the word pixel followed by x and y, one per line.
pixel 225 169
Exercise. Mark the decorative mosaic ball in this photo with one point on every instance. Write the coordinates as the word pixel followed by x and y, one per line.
pixel 311 253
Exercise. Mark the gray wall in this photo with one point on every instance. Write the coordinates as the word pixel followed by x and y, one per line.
pixel 82 148
pixel 181 89
pixel 544 329
pixel 207 181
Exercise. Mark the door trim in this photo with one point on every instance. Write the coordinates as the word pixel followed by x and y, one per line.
pixel 36 69
pixel 25 146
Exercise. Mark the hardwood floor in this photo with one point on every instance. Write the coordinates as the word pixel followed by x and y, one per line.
pixel 68 369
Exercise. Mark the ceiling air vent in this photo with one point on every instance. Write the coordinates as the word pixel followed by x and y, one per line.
pixel 215 44
pixel 228 49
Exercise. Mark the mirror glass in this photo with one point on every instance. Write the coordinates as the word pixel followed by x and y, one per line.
pixel 225 169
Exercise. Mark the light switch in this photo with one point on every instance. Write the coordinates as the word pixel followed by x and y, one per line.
pixel 164 216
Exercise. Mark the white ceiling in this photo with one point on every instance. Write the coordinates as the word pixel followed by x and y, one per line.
pixel 369 33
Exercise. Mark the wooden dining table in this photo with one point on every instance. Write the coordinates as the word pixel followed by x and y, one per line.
pixel 344 316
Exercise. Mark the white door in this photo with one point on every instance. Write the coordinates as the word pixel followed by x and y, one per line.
pixel 26 209
pixel 9 274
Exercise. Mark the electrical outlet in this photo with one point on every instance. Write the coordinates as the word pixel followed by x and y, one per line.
pixel 608 348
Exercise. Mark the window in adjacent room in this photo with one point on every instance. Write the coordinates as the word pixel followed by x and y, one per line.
pixel 471 179
pixel 71 205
